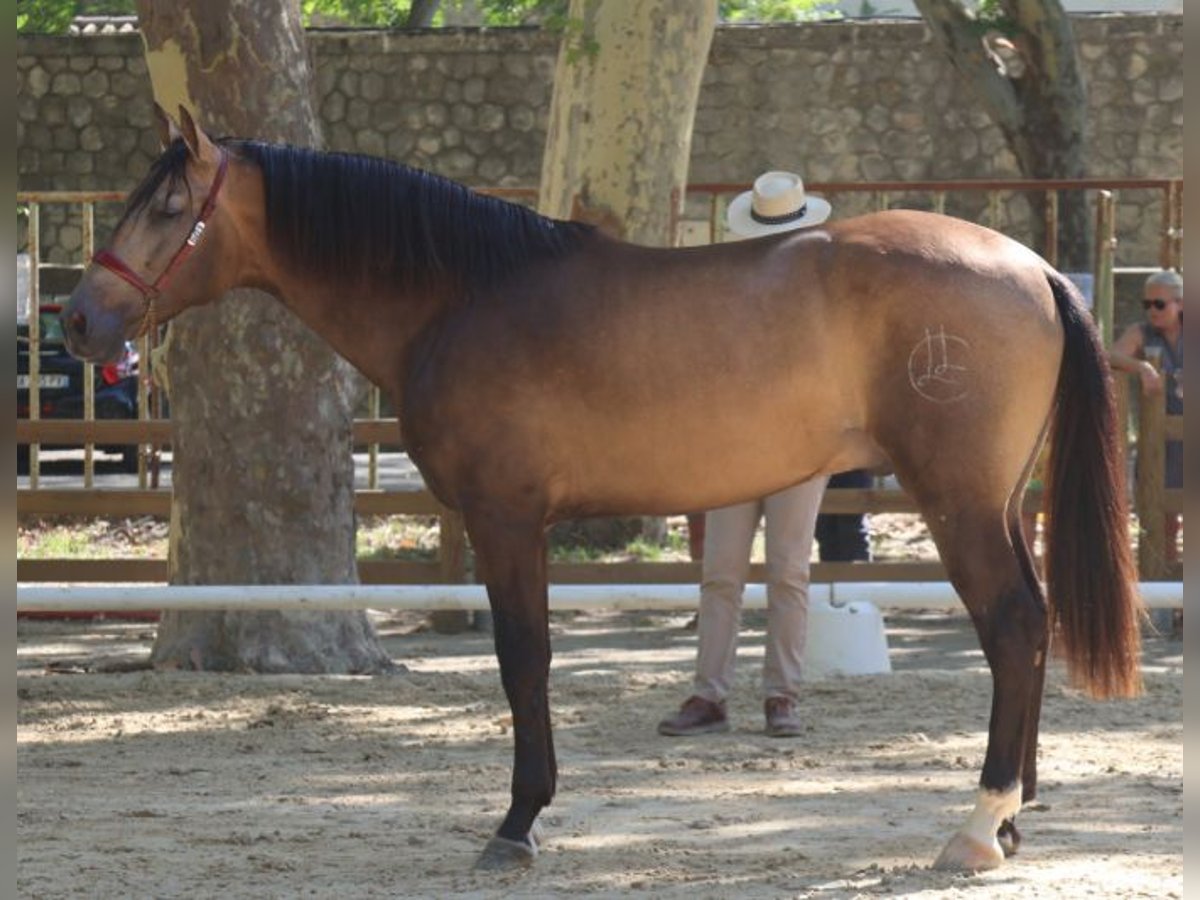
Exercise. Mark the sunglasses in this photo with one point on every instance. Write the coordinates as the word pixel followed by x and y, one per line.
pixel 1157 304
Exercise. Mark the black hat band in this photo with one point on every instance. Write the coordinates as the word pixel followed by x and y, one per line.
pixel 778 220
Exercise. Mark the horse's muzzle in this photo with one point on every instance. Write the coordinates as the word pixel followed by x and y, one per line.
pixel 90 338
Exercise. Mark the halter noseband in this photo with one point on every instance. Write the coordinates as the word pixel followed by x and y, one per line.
pixel 150 291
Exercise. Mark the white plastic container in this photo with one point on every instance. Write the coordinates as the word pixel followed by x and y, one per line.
pixel 847 639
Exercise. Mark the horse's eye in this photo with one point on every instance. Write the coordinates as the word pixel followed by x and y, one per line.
pixel 174 205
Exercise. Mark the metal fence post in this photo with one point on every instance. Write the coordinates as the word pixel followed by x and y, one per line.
pixel 1177 227
pixel 1171 241
pixel 1151 486
pixel 1121 396
pixel 373 449
pixel 88 221
pixel 1106 245
pixel 1050 213
pixel 33 247
pixel 993 213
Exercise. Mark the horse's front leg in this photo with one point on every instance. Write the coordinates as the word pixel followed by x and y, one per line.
pixel 512 557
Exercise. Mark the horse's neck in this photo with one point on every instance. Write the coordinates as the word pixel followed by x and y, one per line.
pixel 373 328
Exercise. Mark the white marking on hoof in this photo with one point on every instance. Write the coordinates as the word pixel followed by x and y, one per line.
pixel 975 846
pixel 963 854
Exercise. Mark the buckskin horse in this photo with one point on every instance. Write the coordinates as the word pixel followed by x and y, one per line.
pixel 544 371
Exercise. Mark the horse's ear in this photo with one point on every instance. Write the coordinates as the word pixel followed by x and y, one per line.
pixel 197 141
pixel 167 129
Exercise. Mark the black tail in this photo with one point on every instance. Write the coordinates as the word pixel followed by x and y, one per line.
pixel 1091 580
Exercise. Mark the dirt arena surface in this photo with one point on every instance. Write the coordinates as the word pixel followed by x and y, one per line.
pixel 143 784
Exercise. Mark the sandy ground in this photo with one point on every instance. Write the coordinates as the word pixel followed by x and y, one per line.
pixel 182 785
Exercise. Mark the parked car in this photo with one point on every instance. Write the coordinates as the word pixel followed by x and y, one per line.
pixel 61 384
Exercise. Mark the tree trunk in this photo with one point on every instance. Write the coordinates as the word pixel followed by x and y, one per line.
pixel 620 130
pixel 421 13
pixel 1031 85
pixel 261 407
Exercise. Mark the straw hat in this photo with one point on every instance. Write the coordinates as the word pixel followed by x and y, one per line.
pixel 776 203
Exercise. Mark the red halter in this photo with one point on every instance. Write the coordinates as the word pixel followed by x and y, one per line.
pixel 150 291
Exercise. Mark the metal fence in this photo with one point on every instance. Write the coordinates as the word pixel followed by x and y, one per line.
pixel 153 433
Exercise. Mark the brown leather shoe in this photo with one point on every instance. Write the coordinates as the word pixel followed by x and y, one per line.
pixel 782 720
pixel 696 716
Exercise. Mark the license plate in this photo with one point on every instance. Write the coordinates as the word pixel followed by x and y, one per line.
pixel 51 381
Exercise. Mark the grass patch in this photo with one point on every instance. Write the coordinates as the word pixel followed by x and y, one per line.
pixel 68 537
pixel 412 538
pixel 397 537
pixel 894 537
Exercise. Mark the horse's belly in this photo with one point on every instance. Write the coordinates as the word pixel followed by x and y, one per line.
pixel 726 461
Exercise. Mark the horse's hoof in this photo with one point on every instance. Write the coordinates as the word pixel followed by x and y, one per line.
pixel 502 853
pixel 965 854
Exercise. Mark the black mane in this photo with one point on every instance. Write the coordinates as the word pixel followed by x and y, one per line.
pixel 364 220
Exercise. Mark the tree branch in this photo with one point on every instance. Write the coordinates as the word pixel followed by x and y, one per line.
pixel 960 37
pixel 1043 35
pixel 1040 107
pixel 1052 83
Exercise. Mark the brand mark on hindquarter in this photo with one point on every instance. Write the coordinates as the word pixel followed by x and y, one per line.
pixel 937 366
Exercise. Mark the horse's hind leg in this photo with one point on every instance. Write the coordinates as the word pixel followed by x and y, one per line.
pixel 1009 837
pixel 977 548
pixel 512 557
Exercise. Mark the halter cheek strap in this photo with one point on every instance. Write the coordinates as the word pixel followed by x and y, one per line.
pixel 151 290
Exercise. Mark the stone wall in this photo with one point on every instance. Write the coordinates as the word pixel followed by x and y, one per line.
pixel 854 101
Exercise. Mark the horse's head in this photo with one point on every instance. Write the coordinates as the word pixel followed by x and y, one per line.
pixel 167 253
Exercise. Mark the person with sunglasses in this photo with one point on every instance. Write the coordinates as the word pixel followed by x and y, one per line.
pixel 1159 339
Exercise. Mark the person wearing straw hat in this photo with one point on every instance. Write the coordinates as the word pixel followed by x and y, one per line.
pixel 776 203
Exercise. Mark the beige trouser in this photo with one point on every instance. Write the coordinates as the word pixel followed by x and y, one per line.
pixel 791 517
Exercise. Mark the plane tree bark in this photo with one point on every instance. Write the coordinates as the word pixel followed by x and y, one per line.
pixel 620 131
pixel 262 409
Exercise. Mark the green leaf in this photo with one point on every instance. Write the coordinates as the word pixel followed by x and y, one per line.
pixel 45 16
pixel 774 10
